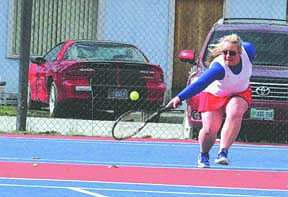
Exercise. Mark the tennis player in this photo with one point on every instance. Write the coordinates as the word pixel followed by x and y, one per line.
pixel 224 89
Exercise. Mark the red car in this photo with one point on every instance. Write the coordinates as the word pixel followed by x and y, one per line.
pixel 83 75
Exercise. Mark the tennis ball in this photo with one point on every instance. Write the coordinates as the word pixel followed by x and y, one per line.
pixel 134 95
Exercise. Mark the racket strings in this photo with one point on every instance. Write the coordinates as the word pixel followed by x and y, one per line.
pixel 130 124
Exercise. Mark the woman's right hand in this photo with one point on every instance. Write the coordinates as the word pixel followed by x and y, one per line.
pixel 174 102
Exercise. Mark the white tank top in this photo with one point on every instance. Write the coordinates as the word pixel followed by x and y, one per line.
pixel 232 83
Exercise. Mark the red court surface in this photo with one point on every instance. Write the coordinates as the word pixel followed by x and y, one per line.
pixel 170 176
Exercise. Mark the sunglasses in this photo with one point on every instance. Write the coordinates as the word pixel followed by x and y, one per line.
pixel 231 53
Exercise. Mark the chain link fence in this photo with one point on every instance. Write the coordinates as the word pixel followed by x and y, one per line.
pixel 159 28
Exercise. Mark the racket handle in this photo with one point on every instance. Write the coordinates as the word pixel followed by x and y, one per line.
pixel 161 110
pixel 169 107
pixel 165 109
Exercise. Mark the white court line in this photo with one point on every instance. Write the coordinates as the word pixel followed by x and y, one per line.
pixel 167 192
pixel 86 192
pixel 133 183
pixel 131 190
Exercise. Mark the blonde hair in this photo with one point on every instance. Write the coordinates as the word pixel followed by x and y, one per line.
pixel 217 50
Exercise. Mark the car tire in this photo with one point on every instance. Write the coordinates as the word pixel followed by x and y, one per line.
pixel 55 108
pixel 33 105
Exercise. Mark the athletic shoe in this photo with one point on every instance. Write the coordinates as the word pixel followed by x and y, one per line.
pixel 222 157
pixel 203 160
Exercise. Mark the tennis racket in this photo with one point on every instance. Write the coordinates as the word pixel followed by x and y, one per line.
pixel 132 122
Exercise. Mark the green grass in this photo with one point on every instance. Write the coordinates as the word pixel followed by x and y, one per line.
pixel 12 111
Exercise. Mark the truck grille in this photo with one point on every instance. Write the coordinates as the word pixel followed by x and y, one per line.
pixel 269 89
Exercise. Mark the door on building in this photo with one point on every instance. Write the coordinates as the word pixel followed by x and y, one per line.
pixel 193 20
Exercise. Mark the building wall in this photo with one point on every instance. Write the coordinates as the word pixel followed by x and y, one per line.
pixel 144 23
pixel 269 9
pixel 9 68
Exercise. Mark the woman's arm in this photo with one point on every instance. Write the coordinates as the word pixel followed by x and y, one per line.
pixel 215 72
pixel 250 50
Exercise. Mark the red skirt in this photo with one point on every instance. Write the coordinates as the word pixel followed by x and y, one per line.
pixel 210 102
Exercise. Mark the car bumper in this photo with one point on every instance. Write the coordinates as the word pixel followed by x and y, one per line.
pixel 150 96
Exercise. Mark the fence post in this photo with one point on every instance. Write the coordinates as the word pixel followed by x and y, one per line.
pixel 26 16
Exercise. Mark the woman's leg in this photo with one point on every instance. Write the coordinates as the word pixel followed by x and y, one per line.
pixel 211 122
pixel 235 109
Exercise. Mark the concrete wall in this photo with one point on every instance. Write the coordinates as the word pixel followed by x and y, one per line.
pixel 269 9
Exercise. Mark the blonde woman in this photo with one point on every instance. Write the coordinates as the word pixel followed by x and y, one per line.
pixel 224 89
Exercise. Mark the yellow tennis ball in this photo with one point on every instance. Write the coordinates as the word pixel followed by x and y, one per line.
pixel 134 95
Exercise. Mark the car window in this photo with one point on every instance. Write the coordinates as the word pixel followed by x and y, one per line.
pixel 105 52
pixel 271 47
pixel 72 53
pixel 53 53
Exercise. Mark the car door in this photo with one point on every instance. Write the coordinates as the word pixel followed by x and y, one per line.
pixel 43 73
pixel 33 78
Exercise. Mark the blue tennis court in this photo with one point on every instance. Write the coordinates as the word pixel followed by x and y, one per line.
pixel 83 166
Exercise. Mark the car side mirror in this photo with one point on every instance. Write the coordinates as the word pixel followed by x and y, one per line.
pixel 38 60
pixel 187 56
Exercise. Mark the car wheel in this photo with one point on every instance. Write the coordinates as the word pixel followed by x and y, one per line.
pixel 30 103
pixel 54 105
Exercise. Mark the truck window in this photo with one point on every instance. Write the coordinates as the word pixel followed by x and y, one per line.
pixel 271 47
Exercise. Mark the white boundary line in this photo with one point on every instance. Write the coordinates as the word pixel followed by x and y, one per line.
pixel 132 190
pixel 86 192
pixel 123 183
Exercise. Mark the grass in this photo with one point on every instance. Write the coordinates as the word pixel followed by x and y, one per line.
pixel 12 111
